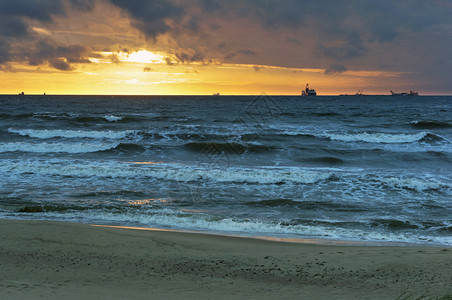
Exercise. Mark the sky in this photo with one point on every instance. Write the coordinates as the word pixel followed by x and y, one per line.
pixel 242 47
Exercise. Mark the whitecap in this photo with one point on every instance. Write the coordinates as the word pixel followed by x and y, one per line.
pixel 56 147
pixel 112 118
pixel 52 133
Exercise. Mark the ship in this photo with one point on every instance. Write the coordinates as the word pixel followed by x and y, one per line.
pixel 308 91
pixel 411 93
pixel 359 93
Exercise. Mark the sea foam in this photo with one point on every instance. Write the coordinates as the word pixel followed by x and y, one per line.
pixel 166 171
pixel 112 118
pixel 378 137
pixel 166 218
pixel 52 133
pixel 415 184
pixel 56 147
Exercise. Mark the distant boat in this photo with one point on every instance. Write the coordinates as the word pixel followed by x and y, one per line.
pixel 216 94
pixel 359 93
pixel 21 94
pixel 411 93
pixel 308 91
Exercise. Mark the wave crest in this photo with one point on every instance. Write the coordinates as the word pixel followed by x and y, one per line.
pixel 380 138
pixel 53 133
pixel 415 184
pixel 430 124
pixel 56 147
pixel 171 172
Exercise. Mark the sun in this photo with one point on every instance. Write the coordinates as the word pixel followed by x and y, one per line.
pixel 143 56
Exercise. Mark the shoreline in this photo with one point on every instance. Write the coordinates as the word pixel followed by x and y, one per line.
pixel 55 260
pixel 273 238
pixel 296 240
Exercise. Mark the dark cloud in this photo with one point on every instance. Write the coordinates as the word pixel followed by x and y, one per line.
pixel 335 68
pixel 150 16
pixel 83 5
pixel 59 63
pixel 12 27
pixel 114 58
pixel 19 42
pixel 229 56
pixel 5 54
pixel 350 25
pixel 247 52
pixel 191 56
pixel 41 10
pixel 187 56
pixel 169 61
pixel 293 40
pixel 405 35
pixel 58 57
pixel 352 47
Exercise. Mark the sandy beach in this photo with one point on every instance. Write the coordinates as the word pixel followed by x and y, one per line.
pixel 52 260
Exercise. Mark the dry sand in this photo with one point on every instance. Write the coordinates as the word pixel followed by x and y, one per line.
pixel 52 260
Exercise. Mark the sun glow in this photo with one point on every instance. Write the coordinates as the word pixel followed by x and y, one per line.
pixel 144 56
pixel 140 57
pixel 146 72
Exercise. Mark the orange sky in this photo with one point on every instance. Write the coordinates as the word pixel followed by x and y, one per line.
pixel 111 48
pixel 136 77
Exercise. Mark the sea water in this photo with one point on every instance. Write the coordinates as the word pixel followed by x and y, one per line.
pixel 355 168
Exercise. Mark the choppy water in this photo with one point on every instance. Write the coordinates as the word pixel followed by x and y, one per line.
pixel 360 168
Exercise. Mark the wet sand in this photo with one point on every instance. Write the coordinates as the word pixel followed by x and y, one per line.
pixel 53 260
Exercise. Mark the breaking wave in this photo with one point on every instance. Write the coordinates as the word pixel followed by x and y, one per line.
pixel 56 147
pixel 164 171
pixel 112 118
pixel 166 218
pixel 430 124
pixel 415 184
pixel 52 133
pixel 383 138
pixel 80 118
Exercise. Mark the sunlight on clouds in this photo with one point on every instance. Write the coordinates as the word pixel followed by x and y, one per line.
pixel 41 30
pixel 144 56
pixel 140 57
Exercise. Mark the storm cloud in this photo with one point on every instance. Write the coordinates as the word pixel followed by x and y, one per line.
pixel 335 68
pixel 410 36
pixel 19 42
pixel 338 30
pixel 150 16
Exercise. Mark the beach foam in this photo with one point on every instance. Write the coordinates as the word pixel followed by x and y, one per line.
pixel 180 220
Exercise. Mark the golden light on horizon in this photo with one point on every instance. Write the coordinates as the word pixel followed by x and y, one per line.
pixel 128 47
pixel 141 56
pixel 147 73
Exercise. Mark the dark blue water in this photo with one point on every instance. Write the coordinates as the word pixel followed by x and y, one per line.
pixel 360 168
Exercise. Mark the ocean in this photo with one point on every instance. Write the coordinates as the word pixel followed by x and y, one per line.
pixel 340 168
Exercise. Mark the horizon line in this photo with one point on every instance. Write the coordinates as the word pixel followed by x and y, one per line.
pixel 220 95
